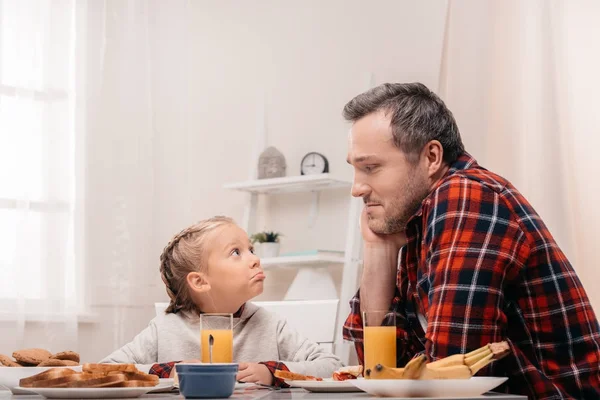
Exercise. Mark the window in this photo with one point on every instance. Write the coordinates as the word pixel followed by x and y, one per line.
pixel 37 160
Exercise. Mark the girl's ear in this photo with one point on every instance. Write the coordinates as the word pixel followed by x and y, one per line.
pixel 198 282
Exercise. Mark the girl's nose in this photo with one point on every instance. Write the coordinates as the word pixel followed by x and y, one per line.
pixel 255 261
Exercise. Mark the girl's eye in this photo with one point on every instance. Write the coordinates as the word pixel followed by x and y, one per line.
pixel 252 250
pixel 235 252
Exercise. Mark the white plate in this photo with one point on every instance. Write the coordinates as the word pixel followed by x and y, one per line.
pixel 446 388
pixel 326 386
pixel 94 393
pixel 165 385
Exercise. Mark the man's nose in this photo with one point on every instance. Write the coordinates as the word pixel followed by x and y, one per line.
pixel 360 189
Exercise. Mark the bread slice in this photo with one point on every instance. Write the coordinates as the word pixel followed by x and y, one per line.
pixel 97 381
pixel 52 373
pixel 291 376
pixel 64 381
pixel 137 376
pixel 106 368
pixel 134 383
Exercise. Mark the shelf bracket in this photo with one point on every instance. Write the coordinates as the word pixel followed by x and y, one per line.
pixel 314 209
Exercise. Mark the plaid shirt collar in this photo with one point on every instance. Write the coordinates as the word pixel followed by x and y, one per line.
pixel 463 162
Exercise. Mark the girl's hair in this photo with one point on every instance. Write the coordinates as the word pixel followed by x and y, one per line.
pixel 182 255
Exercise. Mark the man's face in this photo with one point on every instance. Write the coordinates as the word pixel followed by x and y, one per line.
pixel 392 187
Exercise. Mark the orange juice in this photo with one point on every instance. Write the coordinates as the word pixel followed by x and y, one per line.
pixel 222 349
pixel 380 346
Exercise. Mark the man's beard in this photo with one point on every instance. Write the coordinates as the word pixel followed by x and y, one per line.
pixel 397 223
pixel 400 210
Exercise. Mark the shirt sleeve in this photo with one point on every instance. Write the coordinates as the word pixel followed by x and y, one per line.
pixel 302 355
pixel 162 370
pixel 276 366
pixel 141 350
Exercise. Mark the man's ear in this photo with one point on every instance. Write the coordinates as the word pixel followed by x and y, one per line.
pixel 198 282
pixel 433 156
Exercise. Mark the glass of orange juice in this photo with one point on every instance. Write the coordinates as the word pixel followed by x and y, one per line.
pixel 379 338
pixel 220 328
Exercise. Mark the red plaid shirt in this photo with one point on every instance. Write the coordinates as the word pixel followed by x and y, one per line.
pixel 482 267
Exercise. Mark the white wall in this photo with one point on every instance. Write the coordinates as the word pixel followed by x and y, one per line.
pixel 174 115
pixel 210 62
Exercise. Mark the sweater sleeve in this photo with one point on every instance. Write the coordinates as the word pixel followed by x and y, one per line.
pixel 141 350
pixel 302 356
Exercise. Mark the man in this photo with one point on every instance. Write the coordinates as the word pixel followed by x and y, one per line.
pixel 458 253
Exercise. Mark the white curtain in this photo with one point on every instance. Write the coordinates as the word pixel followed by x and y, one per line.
pixel 522 79
pixel 39 282
pixel 121 257
pixel 76 172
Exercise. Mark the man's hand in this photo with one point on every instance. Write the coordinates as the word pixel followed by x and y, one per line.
pixel 380 260
pixel 254 373
pixel 172 375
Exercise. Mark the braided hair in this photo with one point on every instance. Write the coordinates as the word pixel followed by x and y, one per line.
pixel 182 255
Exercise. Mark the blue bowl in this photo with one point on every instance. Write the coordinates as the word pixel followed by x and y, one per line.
pixel 206 380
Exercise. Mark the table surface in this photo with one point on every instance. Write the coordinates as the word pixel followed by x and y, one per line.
pixel 267 394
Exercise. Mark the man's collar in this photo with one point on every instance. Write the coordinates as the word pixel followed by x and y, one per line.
pixel 465 161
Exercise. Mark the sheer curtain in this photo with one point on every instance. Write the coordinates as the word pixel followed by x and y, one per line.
pixel 522 79
pixel 77 171
pixel 39 266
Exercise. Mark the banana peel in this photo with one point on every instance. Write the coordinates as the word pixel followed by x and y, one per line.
pixel 383 372
pixel 458 366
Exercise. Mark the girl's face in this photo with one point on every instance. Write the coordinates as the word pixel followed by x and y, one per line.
pixel 232 269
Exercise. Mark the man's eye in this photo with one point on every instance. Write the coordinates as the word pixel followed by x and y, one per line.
pixel 370 168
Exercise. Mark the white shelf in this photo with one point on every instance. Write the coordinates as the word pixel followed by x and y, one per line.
pixel 291 184
pixel 316 260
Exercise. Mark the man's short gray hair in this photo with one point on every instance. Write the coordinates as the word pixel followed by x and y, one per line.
pixel 417 116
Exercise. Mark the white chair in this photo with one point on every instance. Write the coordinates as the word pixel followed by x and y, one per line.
pixel 314 319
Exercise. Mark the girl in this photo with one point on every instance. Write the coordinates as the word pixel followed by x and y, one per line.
pixel 211 267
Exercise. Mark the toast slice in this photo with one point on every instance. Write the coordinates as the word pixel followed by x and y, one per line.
pixel 134 383
pixel 53 373
pixel 64 381
pixel 96 381
pixel 106 368
pixel 291 376
pixel 138 376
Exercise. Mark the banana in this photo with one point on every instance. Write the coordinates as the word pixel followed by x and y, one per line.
pixel 450 361
pixel 383 372
pixel 492 351
pixel 475 367
pixel 458 366
pixel 413 368
pixel 452 372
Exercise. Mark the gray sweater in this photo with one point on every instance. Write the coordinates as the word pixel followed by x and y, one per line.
pixel 258 335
